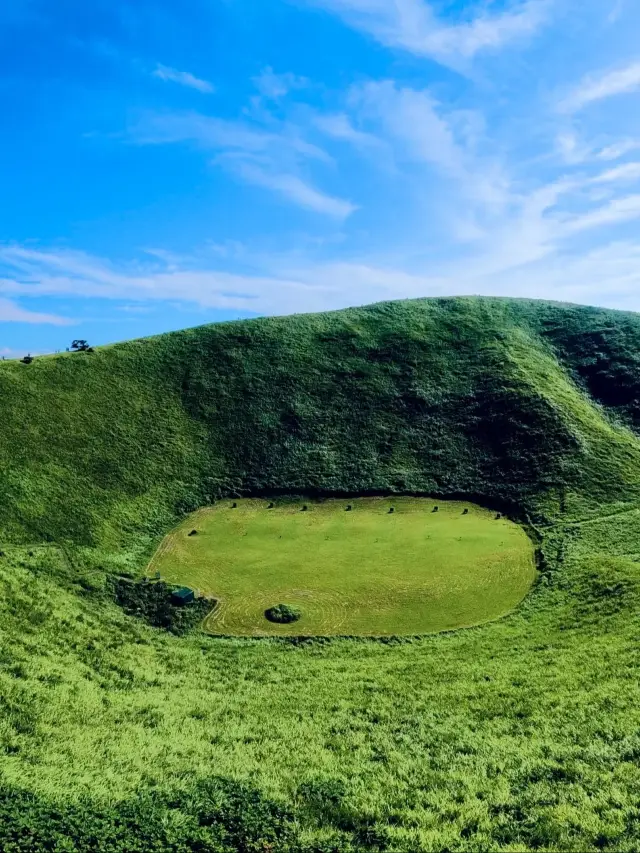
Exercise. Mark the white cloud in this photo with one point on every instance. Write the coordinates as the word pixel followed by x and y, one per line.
pixel 411 117
pixel 625 172
pixel 619 81
pixel 214 133
pixel 413 26
pixel 11 312
pixel 292 187
pixel 616 211
pixel 339 126
pixel 183 78
pixel 275 86
pixel 618 149
pixel 272 158
pixel 293 288
pixel 422 132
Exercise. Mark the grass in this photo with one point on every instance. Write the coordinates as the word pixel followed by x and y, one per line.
pixel 363 572
pixel 518 734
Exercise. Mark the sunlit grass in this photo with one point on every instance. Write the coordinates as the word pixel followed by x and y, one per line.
pixel 382 567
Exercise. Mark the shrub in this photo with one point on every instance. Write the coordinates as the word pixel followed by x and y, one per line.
pixel 283 614
pixel 215 815
pixel 152 602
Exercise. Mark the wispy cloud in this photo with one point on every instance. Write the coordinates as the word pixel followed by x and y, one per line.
pixel 620 81
pixel 183 78
pixel 618 210
pixel 290 288
pixel 268 157
pixel 625 172
pixel 618 149
pixel 275 86
pixel 11 312
pixel 423 133
pixel 413 26
pixel 340 126
pixel 292 187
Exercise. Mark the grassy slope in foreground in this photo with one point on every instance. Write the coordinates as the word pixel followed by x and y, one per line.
pixel 521 734
pixel 363 572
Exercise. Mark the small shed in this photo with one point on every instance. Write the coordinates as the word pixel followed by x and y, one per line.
pixel 184 595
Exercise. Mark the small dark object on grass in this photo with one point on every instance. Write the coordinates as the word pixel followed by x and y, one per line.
pixel 498 515
pixel 234 506
pixel 193 533
pixel 435 509
pixel 27 359
pixel 282 614
pixel 465 512
pixel 184 595
pixel 391 509
pixel 1 553
pixel 349 508
pixel 304 508
pixel 270 506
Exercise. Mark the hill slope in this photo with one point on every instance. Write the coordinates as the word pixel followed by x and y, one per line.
pixel 506 400
pixel 521 734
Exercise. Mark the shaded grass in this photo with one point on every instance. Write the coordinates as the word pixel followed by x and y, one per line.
pixel 366 571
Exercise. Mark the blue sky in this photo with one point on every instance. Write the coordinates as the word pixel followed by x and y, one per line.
pixel 166 164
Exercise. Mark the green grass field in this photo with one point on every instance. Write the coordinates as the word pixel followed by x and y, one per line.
pixel 363 572
pixel 521 734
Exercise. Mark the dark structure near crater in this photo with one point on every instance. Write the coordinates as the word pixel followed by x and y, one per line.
pixel 182 596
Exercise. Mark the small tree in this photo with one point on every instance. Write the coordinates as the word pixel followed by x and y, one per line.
pixel 80 345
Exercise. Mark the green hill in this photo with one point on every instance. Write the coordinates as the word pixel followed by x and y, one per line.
pixel 522 734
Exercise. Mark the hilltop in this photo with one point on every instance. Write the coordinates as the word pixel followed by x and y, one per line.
pixel 520 734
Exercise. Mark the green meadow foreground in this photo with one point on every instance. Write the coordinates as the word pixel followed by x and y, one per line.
pixel 364 571
pixel 522 733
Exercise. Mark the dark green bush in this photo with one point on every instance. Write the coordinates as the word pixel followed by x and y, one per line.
pixel 214 816
pixel 283 614
pixel 151 601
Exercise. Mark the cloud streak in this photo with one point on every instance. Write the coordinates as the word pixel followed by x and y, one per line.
pixel 183 78
pixel 11 312
pixel 412 25
pixel 274 159
pixel 620 81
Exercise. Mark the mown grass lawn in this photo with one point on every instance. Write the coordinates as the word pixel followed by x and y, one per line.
pixel 367 571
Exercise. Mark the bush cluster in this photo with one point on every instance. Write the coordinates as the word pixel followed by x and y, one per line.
pixel 151 600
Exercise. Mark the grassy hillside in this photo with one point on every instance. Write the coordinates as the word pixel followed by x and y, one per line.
pixel 521 734
pixel 459 396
